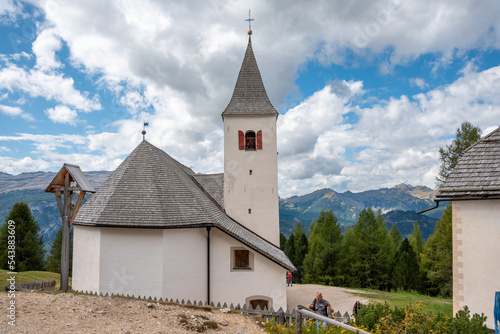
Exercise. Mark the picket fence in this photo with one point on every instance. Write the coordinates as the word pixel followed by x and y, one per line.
pixel 280 316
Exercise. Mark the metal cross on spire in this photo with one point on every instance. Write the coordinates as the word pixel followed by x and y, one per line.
pixel 249 23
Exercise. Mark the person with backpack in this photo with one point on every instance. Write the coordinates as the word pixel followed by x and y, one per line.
pixel 321 306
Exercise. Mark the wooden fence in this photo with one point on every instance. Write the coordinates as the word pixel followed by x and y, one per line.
pixel 280 316
pixel 302 311
pixel 47 285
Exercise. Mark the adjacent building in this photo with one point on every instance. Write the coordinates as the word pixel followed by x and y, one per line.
pixel 473 188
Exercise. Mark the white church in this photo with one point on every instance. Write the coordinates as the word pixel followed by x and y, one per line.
pixel 157 229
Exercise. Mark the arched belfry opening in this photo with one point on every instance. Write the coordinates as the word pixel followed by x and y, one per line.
pixel 250 140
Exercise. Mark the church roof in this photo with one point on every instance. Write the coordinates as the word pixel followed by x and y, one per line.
pixel 249 95
pixel 150 189
pixel 477 173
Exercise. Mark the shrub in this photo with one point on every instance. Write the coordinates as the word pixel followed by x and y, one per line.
pixel 414 318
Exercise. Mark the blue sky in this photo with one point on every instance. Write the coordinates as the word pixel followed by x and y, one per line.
pixel 367 90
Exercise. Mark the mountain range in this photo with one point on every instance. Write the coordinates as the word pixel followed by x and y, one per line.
pixel 399 204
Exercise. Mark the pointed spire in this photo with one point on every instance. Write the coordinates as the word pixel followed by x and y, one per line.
pixel 249 95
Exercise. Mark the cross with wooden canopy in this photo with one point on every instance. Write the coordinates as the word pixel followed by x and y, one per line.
pixel 68 181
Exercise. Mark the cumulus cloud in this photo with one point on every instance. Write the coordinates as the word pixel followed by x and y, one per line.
pixel 26 164
pixel 175 66
pixel 62 114
pixel 49 86
pixel 44 48
pixel 393 142
pixel 15 112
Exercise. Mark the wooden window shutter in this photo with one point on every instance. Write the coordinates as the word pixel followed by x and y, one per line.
pixel 259 140
pixel 241 258
pixel 241 140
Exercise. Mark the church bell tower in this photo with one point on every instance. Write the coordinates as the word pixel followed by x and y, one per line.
pixel 250 153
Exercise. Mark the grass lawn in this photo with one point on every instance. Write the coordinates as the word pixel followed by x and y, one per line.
pixel 401 299
pixel 30 276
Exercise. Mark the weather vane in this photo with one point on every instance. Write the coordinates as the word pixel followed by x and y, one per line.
pixel 249 23
pixel 144 131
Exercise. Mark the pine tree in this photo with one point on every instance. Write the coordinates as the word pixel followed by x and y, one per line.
pixel 466 136
pixel 301 247
pixel 395 237
pixel 282 241
pixel 437 258
pixel 290 248
pixel 322 260
pixel 405 273
pixel 347 276
pixel 54 259
pixel 416 240
pixel 29 252
pixel 368 257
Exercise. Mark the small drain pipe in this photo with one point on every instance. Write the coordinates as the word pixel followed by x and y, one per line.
pixel 208 264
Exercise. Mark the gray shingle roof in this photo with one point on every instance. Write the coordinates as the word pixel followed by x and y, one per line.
pixel 249 95
pixel 76 175
pixel 214 185
pixel 477 173
pixel 150 189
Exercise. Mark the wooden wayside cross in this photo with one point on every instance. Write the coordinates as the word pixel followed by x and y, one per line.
pixel 64 191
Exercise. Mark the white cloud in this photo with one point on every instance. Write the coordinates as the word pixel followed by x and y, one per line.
pixel 62 114
pixel 176 66
pixel 49 86
pixel 419 82
pixel 393 142
pixel 8 9
pixel 26 164
pixel 44 48
pixel 15 112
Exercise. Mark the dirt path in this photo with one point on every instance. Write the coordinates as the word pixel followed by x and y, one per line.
pixel 341 299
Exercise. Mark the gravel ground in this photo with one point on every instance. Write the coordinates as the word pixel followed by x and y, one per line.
pixel 76 313
pixel 340 299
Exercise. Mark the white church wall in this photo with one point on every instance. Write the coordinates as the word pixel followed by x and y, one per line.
pixel 185 264
pixel 258 191
pixel 86 256
pixel 476 231
pixel 131 261
pixel 266 279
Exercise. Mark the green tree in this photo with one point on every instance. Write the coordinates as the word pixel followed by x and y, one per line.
pixel 29 253
pixel 405 273
pixel 395 238
pixel 437 258
pixel 290 248
pixel 449 155
pixel 282 241
pixel 416 240
pixel 367 252
pixel 54 259
pixel 301 247
pixel 321 262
